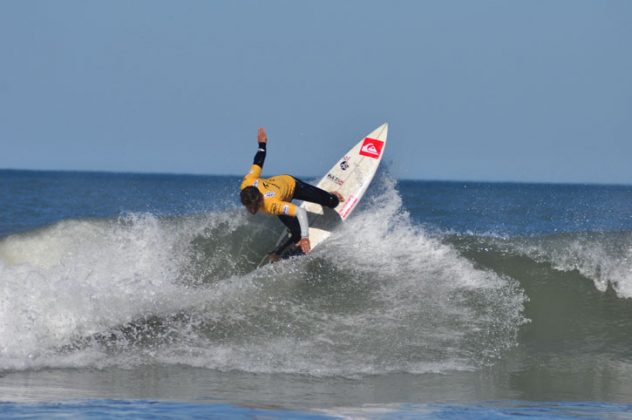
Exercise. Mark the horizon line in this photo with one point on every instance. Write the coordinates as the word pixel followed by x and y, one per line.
pixel 445 180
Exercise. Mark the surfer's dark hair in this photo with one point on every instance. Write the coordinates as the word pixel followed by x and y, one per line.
pixel 250 196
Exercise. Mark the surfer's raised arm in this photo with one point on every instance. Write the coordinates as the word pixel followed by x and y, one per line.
pixel 262 140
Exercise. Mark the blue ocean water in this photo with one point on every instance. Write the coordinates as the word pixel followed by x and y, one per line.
pixel 33 199
pixel 137 295
pixel 166 409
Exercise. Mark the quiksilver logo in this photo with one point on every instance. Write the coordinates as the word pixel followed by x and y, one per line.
pixel 370 149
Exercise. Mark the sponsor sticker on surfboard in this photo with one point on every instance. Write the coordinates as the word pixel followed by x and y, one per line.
pixel 371 148
pixel 349 205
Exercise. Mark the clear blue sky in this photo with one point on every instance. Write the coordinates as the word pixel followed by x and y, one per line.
pixel 473 90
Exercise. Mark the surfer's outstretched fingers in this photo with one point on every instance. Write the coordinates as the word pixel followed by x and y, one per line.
pixel 338 195
pixel 261 135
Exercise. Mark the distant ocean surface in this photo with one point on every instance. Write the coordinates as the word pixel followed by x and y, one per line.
pixel 136 295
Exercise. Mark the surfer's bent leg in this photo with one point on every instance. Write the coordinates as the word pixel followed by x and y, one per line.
pixel 295 230
pixel 306 192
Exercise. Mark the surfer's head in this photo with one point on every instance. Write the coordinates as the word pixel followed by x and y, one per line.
pixel 251 198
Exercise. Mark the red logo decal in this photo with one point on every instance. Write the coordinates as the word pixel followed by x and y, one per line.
pixel 371 148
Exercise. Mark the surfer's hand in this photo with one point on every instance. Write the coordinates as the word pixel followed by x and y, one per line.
pixel 338 196
pixel 274 257
pixel 261 136
pixel 304 245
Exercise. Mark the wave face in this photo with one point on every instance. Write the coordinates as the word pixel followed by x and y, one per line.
pixel 383 295
pixel 579 287
pixel 603 258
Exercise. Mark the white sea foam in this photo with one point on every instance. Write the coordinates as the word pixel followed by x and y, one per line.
pixel 79 278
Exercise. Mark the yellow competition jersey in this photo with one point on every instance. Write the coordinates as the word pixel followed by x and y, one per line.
pixel 277 191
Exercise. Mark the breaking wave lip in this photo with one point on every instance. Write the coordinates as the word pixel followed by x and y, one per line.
pixel 605 258
pixel 381 296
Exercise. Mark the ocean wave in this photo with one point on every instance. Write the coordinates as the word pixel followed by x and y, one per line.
pixel 604 258
pixel 381 295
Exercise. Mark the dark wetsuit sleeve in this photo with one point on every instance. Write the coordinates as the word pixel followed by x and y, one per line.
pixel 261 155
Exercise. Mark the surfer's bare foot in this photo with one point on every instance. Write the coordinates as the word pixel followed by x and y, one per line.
pixel 274 257
pixel 338 195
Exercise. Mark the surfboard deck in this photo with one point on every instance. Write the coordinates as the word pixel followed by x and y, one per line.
pixel 350 176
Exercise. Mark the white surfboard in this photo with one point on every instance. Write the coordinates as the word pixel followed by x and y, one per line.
pixel 350 176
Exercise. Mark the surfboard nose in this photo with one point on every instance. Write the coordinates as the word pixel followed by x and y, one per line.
pixel 380 133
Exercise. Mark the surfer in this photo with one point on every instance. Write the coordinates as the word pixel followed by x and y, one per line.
pixel 274 196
